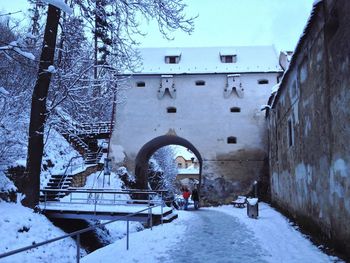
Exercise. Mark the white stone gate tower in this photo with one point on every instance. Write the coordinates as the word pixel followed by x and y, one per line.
pixel 206 99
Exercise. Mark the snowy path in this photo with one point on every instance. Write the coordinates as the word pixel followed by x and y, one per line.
pixel 213 236
pixel 216 235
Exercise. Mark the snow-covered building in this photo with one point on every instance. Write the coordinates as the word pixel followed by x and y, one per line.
pixel 309 127
pixel 185 158
pixel 207 100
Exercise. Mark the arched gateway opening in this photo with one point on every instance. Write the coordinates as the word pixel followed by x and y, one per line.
pixel 145 153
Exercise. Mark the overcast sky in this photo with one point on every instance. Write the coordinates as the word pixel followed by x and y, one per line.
pixel 228 23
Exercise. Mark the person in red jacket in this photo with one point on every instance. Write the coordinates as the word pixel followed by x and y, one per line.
pixel 186 195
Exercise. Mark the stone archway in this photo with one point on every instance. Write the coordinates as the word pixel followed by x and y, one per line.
pixel 143 156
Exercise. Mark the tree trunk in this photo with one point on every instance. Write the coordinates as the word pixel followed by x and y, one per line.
pixel 38 110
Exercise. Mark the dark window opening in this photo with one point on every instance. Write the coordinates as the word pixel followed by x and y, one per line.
pixel 263 81
pixel 235 109
pixel 179 165
pixel 172 59
pixel 200 83
pixel 229 59
pixel 232 139
pixel 171 110
pixel 140 84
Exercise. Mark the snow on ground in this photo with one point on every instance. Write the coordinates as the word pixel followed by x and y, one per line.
pixel 6 185
pixel 20 227
pixel 221 234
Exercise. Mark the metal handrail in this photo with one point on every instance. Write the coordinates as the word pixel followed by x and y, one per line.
pixel 93 197
pixel 99 152
pixel 64 176
pixel 79 232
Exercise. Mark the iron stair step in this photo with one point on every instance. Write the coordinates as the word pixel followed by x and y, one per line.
pixel 59 176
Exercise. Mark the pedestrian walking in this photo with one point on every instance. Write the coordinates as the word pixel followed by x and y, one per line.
pixel 195 197
pixel 186 195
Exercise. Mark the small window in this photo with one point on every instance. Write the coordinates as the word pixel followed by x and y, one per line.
pixel 140 84
pixel 200 83
pixel 232 140
pixel 172 59
pixel 179 165
pixel 263 81
pixel 171 110
pixel 228 59
pixel 235 109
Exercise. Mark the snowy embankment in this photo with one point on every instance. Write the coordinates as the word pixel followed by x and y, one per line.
pixel 20 227
pixel 220 234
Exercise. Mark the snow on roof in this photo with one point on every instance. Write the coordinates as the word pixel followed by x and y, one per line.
pixel 189 170
pixel 172 52
pixel 228 52
pixel 184 152
pixel 197 60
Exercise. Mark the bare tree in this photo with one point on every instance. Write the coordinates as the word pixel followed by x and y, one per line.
pixel 163 170
pixel 38 109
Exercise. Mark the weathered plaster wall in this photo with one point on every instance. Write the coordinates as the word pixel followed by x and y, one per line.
pixel 311 177
pixel 203 118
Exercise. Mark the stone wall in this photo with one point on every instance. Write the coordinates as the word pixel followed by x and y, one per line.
pixel 309 128
pixel 79 180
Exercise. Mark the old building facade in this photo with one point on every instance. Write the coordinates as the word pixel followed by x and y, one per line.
pixel 309 127
pixel 207 100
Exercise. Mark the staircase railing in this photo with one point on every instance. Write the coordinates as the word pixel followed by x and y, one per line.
pixel 65 174
pixel 78 139
pixel 97 155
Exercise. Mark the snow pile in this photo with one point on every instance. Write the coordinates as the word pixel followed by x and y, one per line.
pixel 117 230
pixel 51 69
pixel 14 45
pixel 252 201
pixel 61 5
pixel 22 227
pixel 6 185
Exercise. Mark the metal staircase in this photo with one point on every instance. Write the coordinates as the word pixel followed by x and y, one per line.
pixel 60 182
pixel 83 136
